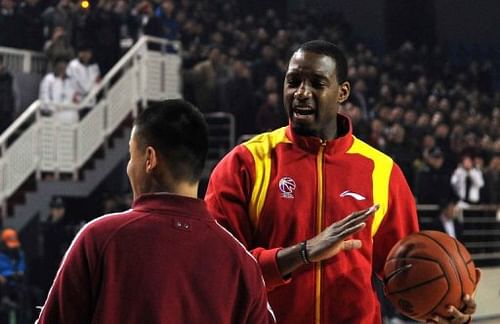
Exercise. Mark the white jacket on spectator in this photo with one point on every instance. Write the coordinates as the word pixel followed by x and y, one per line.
pixel 459 183
pixel 59 91
pixel 84 76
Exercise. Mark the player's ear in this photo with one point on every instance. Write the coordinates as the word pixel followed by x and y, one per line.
pixel 151 159
pixel 344 91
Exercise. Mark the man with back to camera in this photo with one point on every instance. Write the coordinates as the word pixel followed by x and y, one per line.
pixel 165 260
pixel 285 194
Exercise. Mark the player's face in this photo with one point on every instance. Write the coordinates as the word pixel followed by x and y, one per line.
pixel 312 94
pixel 136 167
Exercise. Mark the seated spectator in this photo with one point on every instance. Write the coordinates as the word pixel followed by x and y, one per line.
pixel 432 175
pixel 7 107
pixel 447 221
pixel 12 269
pixel 58 89
pixel 57 231
pixel 492 178
pixel 467 181
pixel 83 72
pixel 271 114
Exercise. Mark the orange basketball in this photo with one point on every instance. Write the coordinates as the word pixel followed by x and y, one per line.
pixel 426 272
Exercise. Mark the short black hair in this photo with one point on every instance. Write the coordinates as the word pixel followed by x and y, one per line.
pixel 179 132
pixel 329 49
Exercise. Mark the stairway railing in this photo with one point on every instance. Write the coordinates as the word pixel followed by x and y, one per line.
pixel 36 143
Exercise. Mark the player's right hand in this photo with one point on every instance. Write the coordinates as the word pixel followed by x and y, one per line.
pixel 332 239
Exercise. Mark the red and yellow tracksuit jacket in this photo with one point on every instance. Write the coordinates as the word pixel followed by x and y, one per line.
pixel 280 188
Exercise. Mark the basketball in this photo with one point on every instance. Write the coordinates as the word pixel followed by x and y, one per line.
pixel 426 272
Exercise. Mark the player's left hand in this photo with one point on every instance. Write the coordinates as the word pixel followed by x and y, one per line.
pixel 457 316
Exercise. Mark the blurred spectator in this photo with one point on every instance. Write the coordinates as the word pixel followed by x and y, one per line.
pixel 62 15
pixel 58 232
pixel 145 21
pixel 432 178
pixel 31 16
pixel 266 65
pixel 238 98
pixel 492 181
pixel 359 124
pixel 12 269
pixel 271 114
pixel 7 107
pixel 113 203
pixel 10 25
pixel 447 221
pixel 58 47
pixel 166 13
pixel 104 23
pixel 58 89
pixel 204 78
pixel 398 148
pixel 467 181
pixel 83 72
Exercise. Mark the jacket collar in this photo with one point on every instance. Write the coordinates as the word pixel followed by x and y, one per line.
pixel 337 145
pixel 168 202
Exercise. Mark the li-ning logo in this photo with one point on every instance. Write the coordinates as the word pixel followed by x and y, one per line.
pixel 352 194
pixel 287 186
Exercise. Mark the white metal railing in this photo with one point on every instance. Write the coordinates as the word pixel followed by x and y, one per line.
pixel 18 60
pixel 36 143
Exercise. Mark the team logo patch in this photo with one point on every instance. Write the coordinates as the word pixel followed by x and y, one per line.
pixel 287 187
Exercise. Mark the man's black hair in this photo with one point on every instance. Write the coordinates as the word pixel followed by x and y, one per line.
pixel 178 131
pixel 329 49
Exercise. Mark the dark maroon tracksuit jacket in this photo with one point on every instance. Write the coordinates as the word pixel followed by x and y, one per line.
pixel 164 261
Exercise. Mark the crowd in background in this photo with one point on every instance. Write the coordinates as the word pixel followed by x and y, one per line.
pixel 438 119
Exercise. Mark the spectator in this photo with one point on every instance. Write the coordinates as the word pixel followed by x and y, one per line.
pixel 265 66
pixel 270 114
pixel 104 23
pixel 145 21
pixel 62 15
pixel 58 47
pixel 143 265
pixel 238 98
pixel 31 16
pixel 204 77
pixel 447 221
pixel 7 107
pixel 166 13
pixel 433 178
pixel 399 149
pixel 10 25
pixel 12 269
pixel 58 94
pixel 467 181
pixel 83 72
pixel 492 180
pixel 57 232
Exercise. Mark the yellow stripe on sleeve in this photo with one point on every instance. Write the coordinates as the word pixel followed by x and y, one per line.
pixel 380 178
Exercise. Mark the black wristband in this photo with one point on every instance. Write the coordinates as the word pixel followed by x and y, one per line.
pixel 303 252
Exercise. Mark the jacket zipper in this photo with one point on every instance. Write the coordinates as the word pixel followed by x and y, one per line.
pixel 319 228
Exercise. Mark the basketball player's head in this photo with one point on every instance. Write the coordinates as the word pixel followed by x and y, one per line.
pixel 168 146
pixel 315 84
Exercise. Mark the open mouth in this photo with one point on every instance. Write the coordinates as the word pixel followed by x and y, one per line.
pixel 303 113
